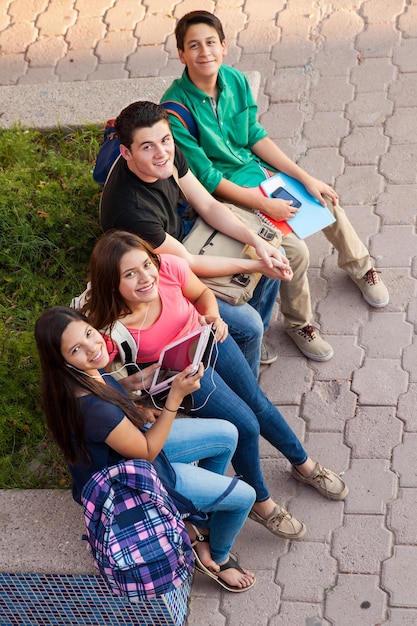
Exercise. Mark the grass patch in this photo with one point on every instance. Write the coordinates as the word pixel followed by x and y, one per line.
pixel 49 225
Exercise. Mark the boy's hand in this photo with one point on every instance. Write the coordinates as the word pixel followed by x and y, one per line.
pixel 318 189
pixel 278 209
pixel 275 264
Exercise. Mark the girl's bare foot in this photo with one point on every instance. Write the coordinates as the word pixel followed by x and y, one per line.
pixel 236 576
pixel 201 546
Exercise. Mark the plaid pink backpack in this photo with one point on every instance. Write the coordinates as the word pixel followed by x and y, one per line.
pixel 139 542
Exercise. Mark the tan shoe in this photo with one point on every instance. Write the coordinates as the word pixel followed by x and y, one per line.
pixel 373 289
pixel 308 340
pixel 281 523
pixel 328 483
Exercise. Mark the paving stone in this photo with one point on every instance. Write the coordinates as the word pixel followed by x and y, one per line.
pixel 361 544
pixel 253 62
pixel 331 93
pixel 388 11
pixel 360 184
pixel 374 432
pixel 373 75
pixel 85 32
pixel 403 460
pixel 323 163
pixel 25 10
pixel 410 365
pixel 346 358
pixel 94 8
pixel 78 66
pixel 407 22
pixel 334 61
pixel 378 40
pixel 341 27
pixel 13 68
pixel 385 336
pixel 319 248
pixel 402 617
pixel 402 593
pixel 5 19
pixel 262 9
pixel 299 613
pixel 398 125
pixel 287 85
pixel 405 57
pixel 363 146
pixel 237 606
pixel 328 405
pixel 334 455
pixel 401 517
pixel 115 47
pixel 356 599
pixel 401 172
pixel 397 204
pixel 109 71
pixel 282 120
pixel 369 109
pixel 258 549
pixel 154 29
pixel 381 246
pixel 318 572
pixel 16 38
pixel 343 310
pixel 46 52
pixel 36 75
pixel 403 91
pixel 401 287
pixel 234 21
pixel 300 21
pixel 326 128
pixel 198 611
pixel 258 36
pixel 145 60
pixel 371 483
pixel 321 516
pixel 172 68
pixel 125 16
pixel 289 389
pixel 57 18
pixel 294 51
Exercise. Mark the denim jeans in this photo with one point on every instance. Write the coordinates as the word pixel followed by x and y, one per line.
pixel 231 392
pixel 212 444
pixel 248 322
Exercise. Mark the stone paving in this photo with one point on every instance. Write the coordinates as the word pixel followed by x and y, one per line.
pixel 339 94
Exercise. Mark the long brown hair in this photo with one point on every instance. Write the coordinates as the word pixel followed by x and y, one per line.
pixel 105 305
pixel 60 385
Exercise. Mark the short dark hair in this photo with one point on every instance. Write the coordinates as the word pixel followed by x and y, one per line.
pixel 197 17
pixel 141 114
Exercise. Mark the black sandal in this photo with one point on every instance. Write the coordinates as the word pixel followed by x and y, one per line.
pixel 231 563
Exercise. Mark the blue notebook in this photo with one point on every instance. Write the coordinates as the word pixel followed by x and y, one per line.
pixel 312 216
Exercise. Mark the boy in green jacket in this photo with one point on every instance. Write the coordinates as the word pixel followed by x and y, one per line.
pixel 233 154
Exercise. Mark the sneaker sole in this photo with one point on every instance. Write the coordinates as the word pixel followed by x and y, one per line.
pixel 376 304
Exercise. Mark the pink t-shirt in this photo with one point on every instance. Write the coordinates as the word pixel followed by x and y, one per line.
pixel 178 316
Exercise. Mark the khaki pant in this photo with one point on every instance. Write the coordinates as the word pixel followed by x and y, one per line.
pixel 353 258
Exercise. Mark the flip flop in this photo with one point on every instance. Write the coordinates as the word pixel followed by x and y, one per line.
pixel 231 563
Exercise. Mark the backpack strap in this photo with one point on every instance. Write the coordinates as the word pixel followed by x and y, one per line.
pixel 183 114
pixel 128 350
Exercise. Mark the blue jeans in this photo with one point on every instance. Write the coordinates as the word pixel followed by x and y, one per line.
pixel 231 392
pixel 248 322
pixel 213 445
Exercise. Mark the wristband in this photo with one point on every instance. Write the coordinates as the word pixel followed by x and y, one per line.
pixel 170 410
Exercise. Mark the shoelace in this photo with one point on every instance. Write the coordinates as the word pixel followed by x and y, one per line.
pixel 279 517
pixel 321 475
pixel 371 276
pixel 308 332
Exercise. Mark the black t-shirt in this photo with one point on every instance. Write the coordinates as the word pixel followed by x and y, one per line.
pixel 146 209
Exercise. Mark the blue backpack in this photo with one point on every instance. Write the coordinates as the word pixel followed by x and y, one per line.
pixel 110 148
pixel 138 539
